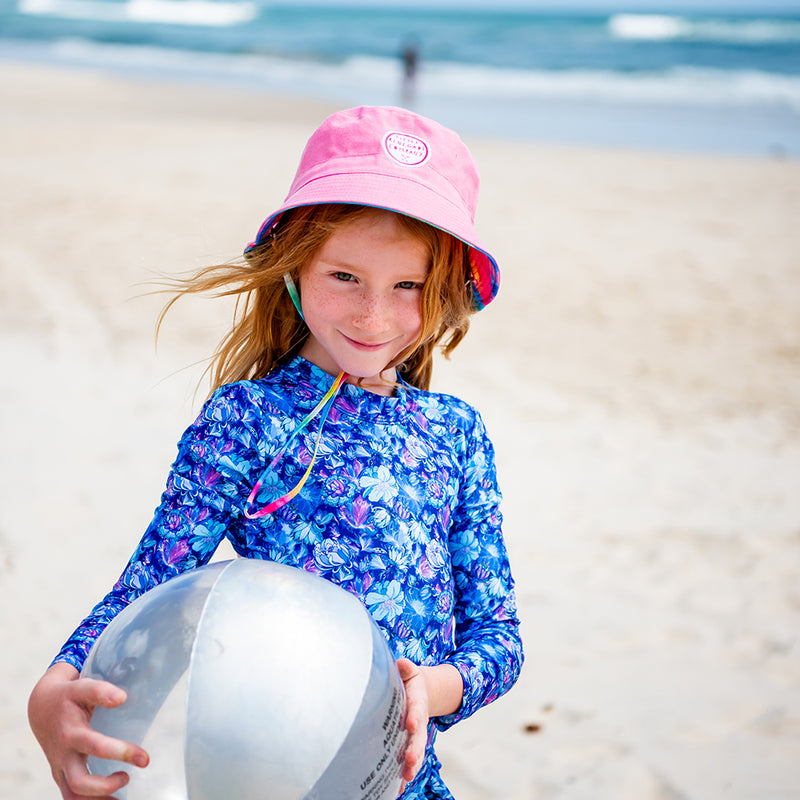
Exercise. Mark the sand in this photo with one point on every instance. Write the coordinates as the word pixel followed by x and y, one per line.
pixel 639 373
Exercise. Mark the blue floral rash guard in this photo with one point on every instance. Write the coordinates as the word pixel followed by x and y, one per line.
pixel 401 509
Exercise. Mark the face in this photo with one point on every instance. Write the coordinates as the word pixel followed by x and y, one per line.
pixel 361 298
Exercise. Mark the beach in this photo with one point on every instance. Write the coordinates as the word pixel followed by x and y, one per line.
pixel 639 374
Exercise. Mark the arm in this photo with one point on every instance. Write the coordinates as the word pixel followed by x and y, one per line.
pixel 198 505
pixel 488 649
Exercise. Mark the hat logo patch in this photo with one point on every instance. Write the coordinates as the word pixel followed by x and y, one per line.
pixel 406 149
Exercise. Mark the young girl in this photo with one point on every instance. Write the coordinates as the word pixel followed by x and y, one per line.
pixel 321 446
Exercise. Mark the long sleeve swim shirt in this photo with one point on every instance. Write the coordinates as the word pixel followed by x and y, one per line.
pixel 401 509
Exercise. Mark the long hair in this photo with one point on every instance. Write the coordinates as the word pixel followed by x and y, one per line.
pixel 267 330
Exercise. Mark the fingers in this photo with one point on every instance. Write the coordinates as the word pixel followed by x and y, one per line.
pixel 82 741
pixel 60 711
pixel 87 695
pixel 88 742
pixel 77 783
pixel 416 717
pixel 415 752
pixel 90 693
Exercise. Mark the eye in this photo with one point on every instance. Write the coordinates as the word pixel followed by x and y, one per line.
pixel 343 276
pixel 409 285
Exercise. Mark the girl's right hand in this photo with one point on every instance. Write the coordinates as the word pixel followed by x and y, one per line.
pixel 60 708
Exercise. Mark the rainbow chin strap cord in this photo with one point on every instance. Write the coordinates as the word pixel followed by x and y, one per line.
pixel 324 406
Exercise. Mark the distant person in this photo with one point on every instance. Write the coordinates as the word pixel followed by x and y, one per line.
pixel 410 56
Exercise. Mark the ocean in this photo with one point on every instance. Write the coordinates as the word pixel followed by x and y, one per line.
pixel 720 82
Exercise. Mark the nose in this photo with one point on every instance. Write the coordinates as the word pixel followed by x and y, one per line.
pixel 372 313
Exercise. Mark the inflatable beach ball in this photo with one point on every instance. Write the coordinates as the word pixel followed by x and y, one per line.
pixel 248 679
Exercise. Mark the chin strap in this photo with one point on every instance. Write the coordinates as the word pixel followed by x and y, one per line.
pixel 291 287
pixel 323 406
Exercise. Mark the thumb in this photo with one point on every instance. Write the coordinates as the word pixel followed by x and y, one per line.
pixel 407 669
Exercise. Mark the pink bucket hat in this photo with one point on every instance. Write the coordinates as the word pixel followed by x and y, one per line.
pixel 394 159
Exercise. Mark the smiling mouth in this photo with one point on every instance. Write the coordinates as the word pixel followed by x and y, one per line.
pixel 367 346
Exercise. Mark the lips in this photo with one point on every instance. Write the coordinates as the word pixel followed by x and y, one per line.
pixel 365 346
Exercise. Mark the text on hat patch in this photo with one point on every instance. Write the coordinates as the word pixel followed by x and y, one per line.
pixel 405 149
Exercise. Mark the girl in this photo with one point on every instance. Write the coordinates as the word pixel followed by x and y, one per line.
pixel 321 446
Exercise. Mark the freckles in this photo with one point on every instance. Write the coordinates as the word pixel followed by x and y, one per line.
pixel 410 312
pixel 323 303
pixel 369 307
pixel 316 298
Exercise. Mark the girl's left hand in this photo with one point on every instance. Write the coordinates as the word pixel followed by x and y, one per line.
pixel 417 713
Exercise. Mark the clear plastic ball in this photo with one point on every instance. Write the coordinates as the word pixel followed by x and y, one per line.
pixel 251 679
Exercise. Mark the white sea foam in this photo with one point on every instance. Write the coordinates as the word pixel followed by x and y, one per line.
pixel 192 12
pixel 174 12
pixel 656 27
pixel 679 85
pixel 647 26
pixel 758 31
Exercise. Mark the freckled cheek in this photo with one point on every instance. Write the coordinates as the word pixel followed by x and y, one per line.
pixel 410 317
pixel 319 304
pixel 324 308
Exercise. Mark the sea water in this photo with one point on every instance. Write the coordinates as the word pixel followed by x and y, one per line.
pixel 725 82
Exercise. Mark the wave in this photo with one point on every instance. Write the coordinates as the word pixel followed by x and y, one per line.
pixel 647 26
pixel 661 27
pixel 373 79
pixel 678 85
pixel 174 12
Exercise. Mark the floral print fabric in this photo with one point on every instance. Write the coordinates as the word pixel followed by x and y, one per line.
pixel 401 509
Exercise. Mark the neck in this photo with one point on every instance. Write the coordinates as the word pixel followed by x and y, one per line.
pixel 385 384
